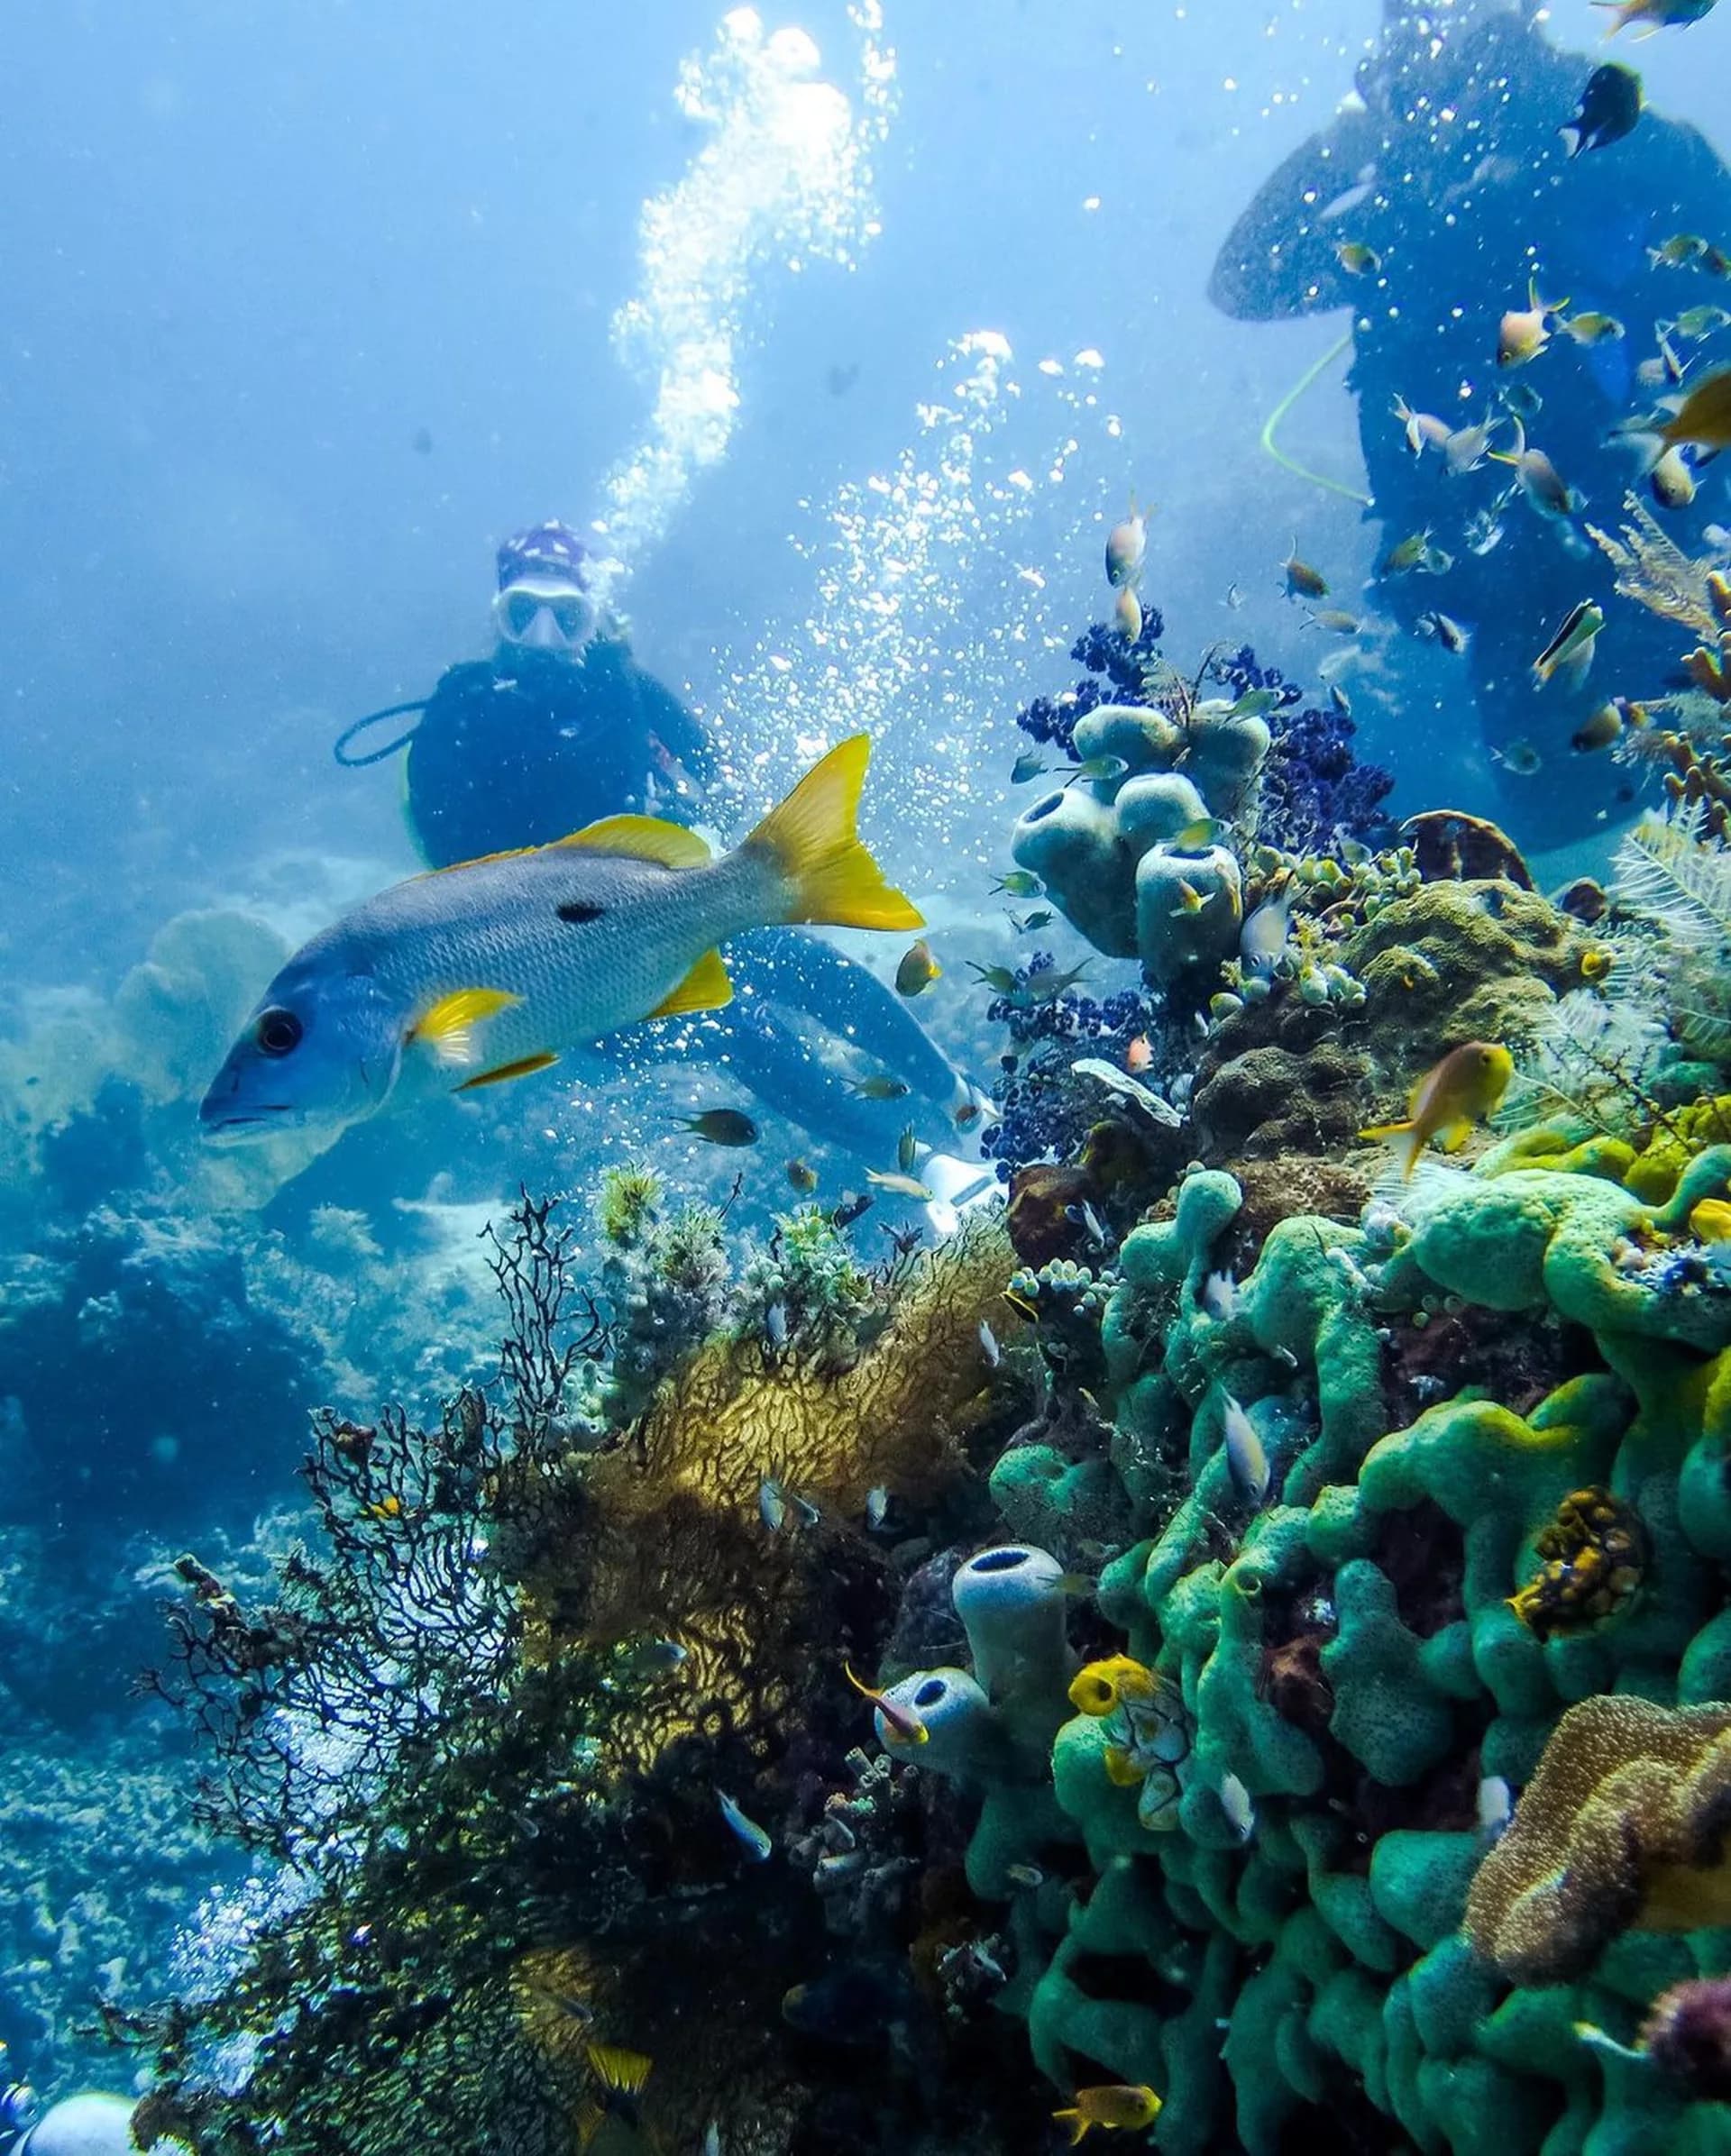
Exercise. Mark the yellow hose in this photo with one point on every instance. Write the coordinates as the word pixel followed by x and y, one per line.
pixel 1291 464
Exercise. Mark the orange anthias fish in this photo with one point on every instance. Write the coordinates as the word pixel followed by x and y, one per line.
pixel 1112 2105
pixel 1449 1099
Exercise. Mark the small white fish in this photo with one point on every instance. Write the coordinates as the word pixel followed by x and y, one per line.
pixel 1246 1455
pixel 1263 938
pixel 1088 1222
pixel 749 1835
pixel 1235 1802
pixel 1496 1806
pixel 1219 1296
pixel 1024 1875
pixel 804 1510
pixel 989 1347
pixel 877 1505
pixel 776 1325
pixel 772 1504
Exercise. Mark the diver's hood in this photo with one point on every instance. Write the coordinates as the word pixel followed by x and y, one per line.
pixel 1279 258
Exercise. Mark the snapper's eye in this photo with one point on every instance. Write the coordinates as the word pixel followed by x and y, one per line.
pixel 277 1032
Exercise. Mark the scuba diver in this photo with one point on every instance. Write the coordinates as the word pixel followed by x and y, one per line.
pixel 1474 161
pixel 562 726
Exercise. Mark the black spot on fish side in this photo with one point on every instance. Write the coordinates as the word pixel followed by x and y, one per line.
pixel 579 910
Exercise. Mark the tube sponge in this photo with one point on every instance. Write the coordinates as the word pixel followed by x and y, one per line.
pixel 1013 1601
pixel 965 1741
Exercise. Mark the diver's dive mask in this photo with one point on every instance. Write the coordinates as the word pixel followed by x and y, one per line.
pixel 546 614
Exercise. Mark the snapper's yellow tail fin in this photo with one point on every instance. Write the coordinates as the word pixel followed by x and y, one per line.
pixel 810 838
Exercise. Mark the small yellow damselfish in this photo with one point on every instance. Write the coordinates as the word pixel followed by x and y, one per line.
pixel 1449 1099
pixel 489 970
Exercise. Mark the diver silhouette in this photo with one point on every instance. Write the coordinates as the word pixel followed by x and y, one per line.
pixel 1450 165
pixel 561 726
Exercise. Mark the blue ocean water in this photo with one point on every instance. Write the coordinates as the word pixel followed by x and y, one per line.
pixel 842 338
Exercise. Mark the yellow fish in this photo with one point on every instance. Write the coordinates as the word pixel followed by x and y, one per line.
pixel 918 970
pixel 1112 2105
pixel 1101 1687
pixel 1710 1222
pixel 487 971
pixel 1524 331
pixel 1449 1099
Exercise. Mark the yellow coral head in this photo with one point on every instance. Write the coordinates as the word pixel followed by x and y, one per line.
pixel 1102 1687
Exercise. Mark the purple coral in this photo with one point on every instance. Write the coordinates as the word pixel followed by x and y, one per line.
pixel 1046 1111
pixel 1314 791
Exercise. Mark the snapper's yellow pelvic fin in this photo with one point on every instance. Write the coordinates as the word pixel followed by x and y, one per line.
pixel 642 838
pixel 448 1027
pixel 810 840
pixel 519 1069
pixel 705 988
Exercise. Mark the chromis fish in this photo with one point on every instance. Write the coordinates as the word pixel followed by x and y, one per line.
pixel 1600 729
pixel 1610 105
pixel 803 1176
pixel 721 1127
pixel 1423 430
pixel 1400 559
pixel 1098 771
pixel 1538 478
pixel 1262 940
pixel 1451 634
pixel 1590 328
pixel 1336 620
pixel 1704 416
pixel 899 1186
pixel 1303 582
pixel 907 1150
pixel 488 971
pixel 1520 757
pixel 1247 1457
pixel 1524 331
pixel 1191 899
pixel 918 970
pixel 881 1086
pixel 1030 765
pixel 1455 1095
pixel 1100 1688
pixel 1111 2105
pixel 1672 481
pixel 1127 614
pixel 1020 883
pixel 999 979
pixel 1677 251
pixel 1126 545
pixel 752 1838
pixel 1703 321
pixel 1466 448
pixel 906 1724
pixel 1570 651
pixel 1235 1802
pixel 1657 14
pixel 1197 837
pixel 1357 258
pixel 1031 924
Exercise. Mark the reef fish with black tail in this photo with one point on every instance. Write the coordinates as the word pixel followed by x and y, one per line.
pixel 489 970
pixel 1448 1100
pixel 1610 105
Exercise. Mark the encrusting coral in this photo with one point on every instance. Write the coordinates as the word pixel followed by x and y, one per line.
pixel 1622 1827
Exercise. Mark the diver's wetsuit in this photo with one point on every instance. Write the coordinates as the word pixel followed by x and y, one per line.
pixel 502 759
pixel 1471 190
pixel 519 757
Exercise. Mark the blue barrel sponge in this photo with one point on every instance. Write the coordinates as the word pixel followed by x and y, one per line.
pixel 1072 841
pixel 965 1741
pixel 1013 1601
pixel 1189 912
